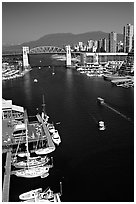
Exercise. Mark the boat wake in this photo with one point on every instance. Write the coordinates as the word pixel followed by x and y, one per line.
pixel 119 113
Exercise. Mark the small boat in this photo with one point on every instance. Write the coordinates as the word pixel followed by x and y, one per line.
pixel 101 125
pixel 56 138
pixel 30 194
pixel 35 80
pixel 53 72
pixel 22 154
pixel 38 196
pixel 33 162
pixel 31 172
pixel 39 67
pixel 44 150
pixel 100 100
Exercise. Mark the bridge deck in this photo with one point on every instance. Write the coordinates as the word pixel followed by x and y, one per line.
pixel 6 183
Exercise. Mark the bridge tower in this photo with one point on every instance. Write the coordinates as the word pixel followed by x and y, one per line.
pixel 68 56
pixel 25 56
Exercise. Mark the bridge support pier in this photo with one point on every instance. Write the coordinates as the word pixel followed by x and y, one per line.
pixel 25 56
pixel 68 56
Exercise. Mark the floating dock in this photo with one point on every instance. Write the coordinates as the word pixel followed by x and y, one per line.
pixel 6 183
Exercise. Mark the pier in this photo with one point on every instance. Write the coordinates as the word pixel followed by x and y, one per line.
pixel 6 183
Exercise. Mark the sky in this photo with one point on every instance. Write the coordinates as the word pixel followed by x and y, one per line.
pixel 27 21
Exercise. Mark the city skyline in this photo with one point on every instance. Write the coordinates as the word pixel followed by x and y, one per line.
pixel 28 21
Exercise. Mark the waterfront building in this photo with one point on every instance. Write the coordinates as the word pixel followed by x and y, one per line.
pixel 120 46
pixel 105 45
pixel 90 44
pixel 11 111
pixel 128 37
pixel 105 57
pixel 112 42
pixel 95 46
pixel 99 47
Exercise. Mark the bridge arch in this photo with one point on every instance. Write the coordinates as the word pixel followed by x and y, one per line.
pixel 47 49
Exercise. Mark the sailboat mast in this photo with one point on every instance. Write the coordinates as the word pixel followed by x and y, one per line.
pixel 43 105
pixel 27 144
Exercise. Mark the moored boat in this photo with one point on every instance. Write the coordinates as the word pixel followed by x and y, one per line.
pixel 30 194
pixel 38 196
pixel 31 172
pixel 33 162
pixel 44 150
pixel 110 77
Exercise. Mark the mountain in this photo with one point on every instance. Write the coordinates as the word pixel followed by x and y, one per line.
pixel 60 40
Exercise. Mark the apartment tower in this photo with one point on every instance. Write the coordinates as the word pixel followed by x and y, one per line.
pixel 128 35
pixel 112 42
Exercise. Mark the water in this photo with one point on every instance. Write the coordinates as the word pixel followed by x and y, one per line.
pixel 94 166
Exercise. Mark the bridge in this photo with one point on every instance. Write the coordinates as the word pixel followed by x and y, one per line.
pixel 38 50
pixel 47 49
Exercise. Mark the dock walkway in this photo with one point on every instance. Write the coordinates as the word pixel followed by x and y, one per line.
pixel 6 183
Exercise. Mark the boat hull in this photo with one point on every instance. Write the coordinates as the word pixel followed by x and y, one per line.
pixel 30 194
pixel 46 150
pixel 113 77
pixel 32 172
pixel 33 162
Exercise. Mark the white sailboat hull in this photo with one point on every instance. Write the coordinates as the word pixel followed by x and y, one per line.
pixel 46 150
pixel 30 194
pixel 32 172
pixel 33 162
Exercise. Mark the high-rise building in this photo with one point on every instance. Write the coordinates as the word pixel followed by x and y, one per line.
pixel 112 42
pixel 128 33
pixel 105 45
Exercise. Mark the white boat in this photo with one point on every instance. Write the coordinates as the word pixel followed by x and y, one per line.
pixel 30 194
pixel 22 154
pixel 100 100
pixel 101 125
pixel 56 137
pixel 53 72
pixel 35 80
pixel 33 162
pixel 44 150
pixel 32 172
pixel 45 196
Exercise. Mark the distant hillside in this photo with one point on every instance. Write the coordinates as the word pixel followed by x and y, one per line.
pixel 60 39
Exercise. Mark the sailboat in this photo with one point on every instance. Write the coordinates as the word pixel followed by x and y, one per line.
pixel 45 117
pixel 33 168
pixel 53 72
pixel 45 147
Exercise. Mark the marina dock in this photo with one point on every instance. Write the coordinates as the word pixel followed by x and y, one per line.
pixel 6 183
